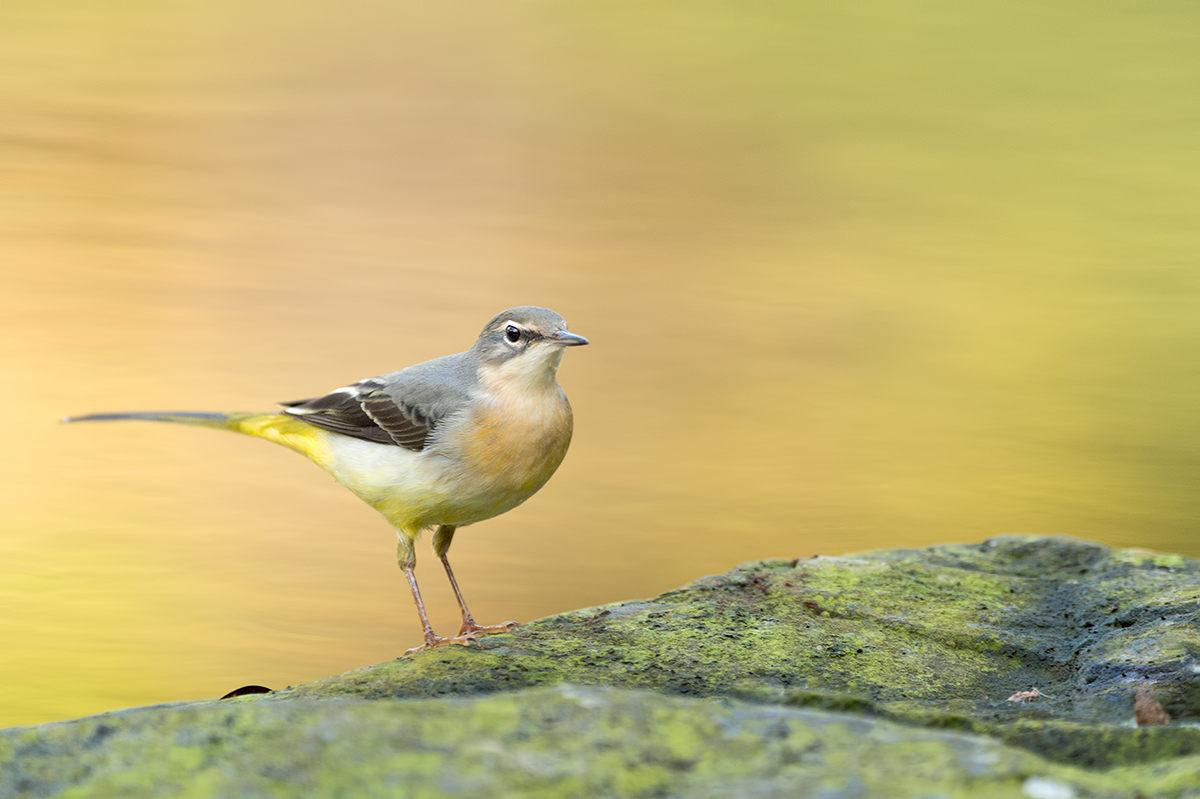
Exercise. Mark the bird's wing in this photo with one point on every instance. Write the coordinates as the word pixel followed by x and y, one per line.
pixel 403 408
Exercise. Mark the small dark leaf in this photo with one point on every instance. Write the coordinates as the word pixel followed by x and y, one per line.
pixel 246 690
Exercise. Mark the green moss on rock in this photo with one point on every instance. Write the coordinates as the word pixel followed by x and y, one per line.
pixel 939 636
pixel 828 653
pixel 548 742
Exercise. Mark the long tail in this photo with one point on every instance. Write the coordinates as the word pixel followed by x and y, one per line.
pixel 280 428
pixel 220 421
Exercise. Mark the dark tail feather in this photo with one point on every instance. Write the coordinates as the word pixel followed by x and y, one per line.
pixel 217 420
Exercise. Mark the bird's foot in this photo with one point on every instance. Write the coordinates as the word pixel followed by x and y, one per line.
pixel 471 629
pixel 432 641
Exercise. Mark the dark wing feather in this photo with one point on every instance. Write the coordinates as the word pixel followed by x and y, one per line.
pixel 365 411
pixel 404 423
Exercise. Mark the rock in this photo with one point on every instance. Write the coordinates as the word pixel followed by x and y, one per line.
pixel 938 637
pixel 781 677
pixel 560 741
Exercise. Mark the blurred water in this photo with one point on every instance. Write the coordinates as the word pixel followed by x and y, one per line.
pixel 855 277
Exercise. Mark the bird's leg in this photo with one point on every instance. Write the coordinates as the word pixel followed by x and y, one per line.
pixel 441 545
pixel 406 556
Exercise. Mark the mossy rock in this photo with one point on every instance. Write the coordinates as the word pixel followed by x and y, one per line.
pixel 893 664
pixel 939 637
pixel 543 742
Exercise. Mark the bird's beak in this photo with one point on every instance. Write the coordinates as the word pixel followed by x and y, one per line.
pixel 564 339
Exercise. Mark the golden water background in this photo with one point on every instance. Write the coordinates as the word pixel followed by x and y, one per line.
pixel 856 276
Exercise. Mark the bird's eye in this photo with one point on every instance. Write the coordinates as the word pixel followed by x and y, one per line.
pixel 512 334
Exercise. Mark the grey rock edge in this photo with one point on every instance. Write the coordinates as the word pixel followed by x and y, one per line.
pixel 882 674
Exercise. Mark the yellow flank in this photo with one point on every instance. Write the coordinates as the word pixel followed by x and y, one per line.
pixel 287 431
pixel 412 490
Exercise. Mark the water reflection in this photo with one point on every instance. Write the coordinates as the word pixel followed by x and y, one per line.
pixel 852 281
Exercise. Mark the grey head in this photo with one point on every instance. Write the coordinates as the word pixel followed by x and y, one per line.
pixel 526 333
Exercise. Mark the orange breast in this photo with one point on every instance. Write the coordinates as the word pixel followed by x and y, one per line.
pixel 515 445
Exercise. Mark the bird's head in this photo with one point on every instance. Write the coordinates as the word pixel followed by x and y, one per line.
pixel 525 345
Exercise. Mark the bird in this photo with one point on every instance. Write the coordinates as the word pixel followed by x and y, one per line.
pixel 437 446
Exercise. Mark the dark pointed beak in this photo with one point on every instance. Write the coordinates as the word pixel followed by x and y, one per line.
pixel 565 339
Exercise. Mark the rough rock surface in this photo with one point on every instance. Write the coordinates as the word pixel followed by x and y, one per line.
pixel 883 674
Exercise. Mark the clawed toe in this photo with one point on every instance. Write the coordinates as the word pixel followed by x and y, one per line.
pixel 494 629
pixel 432 641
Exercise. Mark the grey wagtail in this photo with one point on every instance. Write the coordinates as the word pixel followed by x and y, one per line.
pixel 442 444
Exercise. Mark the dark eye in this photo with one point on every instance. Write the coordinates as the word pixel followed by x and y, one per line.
pixel 512 334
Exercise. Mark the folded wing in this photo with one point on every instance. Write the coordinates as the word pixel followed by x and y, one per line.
pixel 365 410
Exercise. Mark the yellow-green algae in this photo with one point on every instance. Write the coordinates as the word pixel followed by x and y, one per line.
pixel 936 639
pixel 545 742
pixel 939 636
